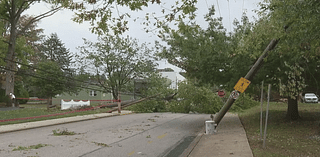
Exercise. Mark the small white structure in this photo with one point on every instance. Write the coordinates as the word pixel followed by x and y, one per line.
pixel 73 104
pixel 210 127
pixel 174 77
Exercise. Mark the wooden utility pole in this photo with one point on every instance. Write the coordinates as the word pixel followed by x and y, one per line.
pixel 234 95
pixel 119 103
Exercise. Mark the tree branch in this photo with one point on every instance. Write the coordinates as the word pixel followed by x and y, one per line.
pixel 38 18
pixel 5 41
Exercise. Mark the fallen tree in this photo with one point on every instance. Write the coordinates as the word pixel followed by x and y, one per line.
pixel 129 103
pixel 123 103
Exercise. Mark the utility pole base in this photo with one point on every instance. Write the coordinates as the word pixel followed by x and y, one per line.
pixel 210 127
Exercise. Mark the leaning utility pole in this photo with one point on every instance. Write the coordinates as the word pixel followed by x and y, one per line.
pixel 243 83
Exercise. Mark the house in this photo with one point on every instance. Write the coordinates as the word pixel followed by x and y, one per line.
pixel 173 76
pixel 92 93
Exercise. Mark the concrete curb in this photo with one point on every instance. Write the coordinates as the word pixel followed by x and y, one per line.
pixel 192 145
pixel 51 122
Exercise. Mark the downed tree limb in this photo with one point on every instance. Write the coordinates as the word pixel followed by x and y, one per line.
pixel 123 103
pixel 132 103
pixel 169 97
pixel 115 104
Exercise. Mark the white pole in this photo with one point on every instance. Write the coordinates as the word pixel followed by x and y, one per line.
pixel 267 112
pixel 261 110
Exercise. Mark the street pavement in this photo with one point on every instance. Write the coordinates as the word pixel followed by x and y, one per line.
pixel 37 124
pixel 229 140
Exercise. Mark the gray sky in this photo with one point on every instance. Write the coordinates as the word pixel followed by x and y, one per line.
pixel 71 33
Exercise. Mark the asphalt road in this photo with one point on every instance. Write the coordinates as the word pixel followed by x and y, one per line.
pixel 134 135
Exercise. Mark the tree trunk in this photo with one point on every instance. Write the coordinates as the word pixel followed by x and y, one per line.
pixel 292 111
pixel 49 103
pixel 10 58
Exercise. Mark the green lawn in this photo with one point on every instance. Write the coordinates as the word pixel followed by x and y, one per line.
pixel 38 110
pixel 284 138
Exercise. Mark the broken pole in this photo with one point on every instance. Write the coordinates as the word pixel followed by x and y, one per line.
pixel 249 76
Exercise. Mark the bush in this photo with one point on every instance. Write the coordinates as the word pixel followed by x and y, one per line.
pixel 191 98
pixel 156 85
pixel 21 92
pixel 243 102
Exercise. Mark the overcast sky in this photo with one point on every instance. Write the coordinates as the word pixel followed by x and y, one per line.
pixel 71 33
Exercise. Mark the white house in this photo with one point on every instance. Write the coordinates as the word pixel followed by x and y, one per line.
pixel 175 78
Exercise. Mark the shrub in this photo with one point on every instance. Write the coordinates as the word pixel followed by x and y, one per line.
pixel 243 102
pixel 156 85
pixel 191 98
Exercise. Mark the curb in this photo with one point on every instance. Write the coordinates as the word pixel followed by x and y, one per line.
pixel 193 144
pixel 52 122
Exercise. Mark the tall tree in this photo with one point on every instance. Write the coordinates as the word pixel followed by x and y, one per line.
pixel 202 53
pixel 116 61
pixel 11 13
pixel 294 65
pixel 49 80
pixel 25 50
pixel 53 49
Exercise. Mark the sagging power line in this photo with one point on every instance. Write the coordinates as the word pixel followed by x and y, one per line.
pixel 68 77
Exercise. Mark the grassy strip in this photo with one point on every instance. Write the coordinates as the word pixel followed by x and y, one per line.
pixel 284 138
pixel 38 110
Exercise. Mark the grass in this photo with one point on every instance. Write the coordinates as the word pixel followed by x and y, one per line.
pixel 31 110
pixel 284 138
pixel 30 147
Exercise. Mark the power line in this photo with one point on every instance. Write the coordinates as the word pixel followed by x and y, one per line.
pixel 207 4
pixel 53 80
pixel 49 72
pixel 229 15
pixel 242 6
pixel 218 8
pixel 68 77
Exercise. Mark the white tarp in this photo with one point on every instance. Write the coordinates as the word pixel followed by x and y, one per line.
pixel 73 104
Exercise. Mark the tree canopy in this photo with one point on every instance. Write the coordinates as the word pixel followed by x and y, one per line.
pixel 211 56
pixel 54 49
pixel 113 15
pixel 293 66
pixel 116 61
pixel 201 53
pixel 11 13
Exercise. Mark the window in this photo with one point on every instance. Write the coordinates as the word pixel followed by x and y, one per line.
pixel 93 93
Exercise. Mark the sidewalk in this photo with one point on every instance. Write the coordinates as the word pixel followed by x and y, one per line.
pixel 230 140
pixel 37 124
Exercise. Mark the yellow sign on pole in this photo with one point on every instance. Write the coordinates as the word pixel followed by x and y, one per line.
pixel 242 85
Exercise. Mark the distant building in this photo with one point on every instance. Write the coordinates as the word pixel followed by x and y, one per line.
pixel 93 93
pixel 173 76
